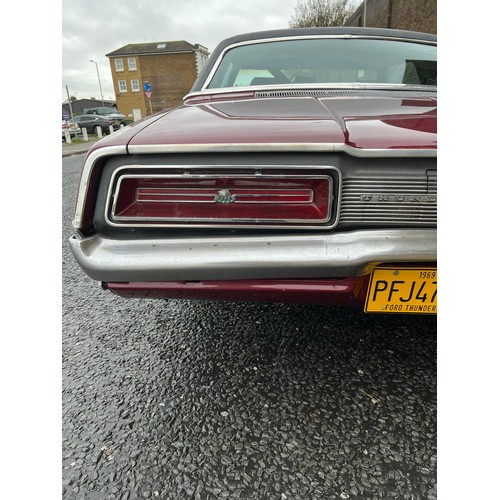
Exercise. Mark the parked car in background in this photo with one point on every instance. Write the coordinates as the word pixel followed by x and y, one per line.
pixel 72 128
pixel 300 168
pixel 106 112
pixel 91 122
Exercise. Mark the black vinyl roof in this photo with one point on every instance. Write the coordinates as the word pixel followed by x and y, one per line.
pixel 292 32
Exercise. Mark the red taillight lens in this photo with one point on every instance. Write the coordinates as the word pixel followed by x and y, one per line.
pixel 229 199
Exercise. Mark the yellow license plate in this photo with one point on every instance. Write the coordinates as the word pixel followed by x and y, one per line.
pixel 402 290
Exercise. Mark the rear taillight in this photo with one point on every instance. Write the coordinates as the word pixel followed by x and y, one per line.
pixel 222 199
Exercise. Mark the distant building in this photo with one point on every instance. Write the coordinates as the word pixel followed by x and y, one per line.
pixel 167 69
pixel 79 105
pixel 412 15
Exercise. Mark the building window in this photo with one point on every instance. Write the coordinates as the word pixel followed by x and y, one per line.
pixel 132 66
pixel 135 85
pixel 122 85
pixel 119 64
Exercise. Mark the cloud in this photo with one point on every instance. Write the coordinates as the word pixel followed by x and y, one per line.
pixel 93 28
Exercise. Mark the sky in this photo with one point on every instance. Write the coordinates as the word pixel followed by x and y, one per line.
pixel 93 28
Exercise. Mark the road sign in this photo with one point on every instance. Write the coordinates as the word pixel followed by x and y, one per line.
pixel 147 87
pixel 148 94
pixel 65 115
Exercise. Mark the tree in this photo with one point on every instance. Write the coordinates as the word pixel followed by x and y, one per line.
pixel 316 13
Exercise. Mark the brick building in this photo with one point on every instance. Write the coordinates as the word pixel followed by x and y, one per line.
pixel 413 15
pixel 169 68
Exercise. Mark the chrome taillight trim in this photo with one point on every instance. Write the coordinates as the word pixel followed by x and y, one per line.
pixel 100 153
pixel 257 171
pixel 86 174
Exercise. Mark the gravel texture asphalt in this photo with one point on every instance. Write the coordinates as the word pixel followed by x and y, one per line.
pixel 202 400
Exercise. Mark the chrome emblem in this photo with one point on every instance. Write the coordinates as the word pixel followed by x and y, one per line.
pixel 395 198
pixel 225 196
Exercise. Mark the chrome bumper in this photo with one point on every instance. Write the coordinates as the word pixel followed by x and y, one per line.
pixel 256 257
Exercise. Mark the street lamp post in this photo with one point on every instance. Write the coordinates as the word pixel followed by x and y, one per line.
pixel 99 79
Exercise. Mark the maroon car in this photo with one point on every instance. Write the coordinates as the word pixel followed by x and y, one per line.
pixel 300 168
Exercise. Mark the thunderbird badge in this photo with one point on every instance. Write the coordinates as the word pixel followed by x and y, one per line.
pixel 225 196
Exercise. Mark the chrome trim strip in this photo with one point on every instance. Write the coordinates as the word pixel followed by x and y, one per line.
pixel 389 153
pixel 334 197
pixel 209 196
pixel 85 176
pixel 301 37
pixel 259 257
pixel 259 147
pixel 327 94
pixel 232 147
pixel 308 86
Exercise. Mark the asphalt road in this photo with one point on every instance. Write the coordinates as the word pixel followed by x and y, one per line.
pixel 201 400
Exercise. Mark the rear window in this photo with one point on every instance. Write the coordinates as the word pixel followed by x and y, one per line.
pixel 324 61
pixel 106 111
pixel 100 111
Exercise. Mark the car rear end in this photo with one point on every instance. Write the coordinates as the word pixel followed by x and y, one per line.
pixel 277 225
pixel 312 195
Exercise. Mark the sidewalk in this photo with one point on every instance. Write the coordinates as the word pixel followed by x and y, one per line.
pixel 77 149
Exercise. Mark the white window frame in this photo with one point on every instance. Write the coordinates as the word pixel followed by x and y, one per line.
pixel 122 85
pixel 135 88
pixel 119 64
pixel 133 66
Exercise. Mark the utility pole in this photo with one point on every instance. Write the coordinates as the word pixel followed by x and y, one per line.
pixel 364 13
pixel 99 79
pixel 69 102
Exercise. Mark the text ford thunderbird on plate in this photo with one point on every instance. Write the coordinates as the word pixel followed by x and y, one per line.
pixel 300 168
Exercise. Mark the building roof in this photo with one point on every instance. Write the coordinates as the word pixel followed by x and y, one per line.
pixel 90 101
pixel 157 48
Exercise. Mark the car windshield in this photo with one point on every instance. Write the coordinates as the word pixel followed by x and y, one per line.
pixel 327 61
